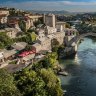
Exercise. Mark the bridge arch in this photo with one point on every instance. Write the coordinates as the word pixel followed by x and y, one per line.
pixel 76 39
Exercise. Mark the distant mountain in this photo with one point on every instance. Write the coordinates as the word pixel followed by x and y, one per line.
pixel 46 12
pixel 62 12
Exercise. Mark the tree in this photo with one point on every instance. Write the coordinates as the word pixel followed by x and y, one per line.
pixel 12 11
pixel 40 83
pixel 26 38
pixel 52 82
pixel 30 37
pixel 22 25
pixel 54 44
pixel 30 84
pixel 33 36
pixel 28 47
pixel 4 40
pixel 1 45
pixel 7 85
pixel 40 21
pixel 41 64
pixel 51 59
pixel 31 30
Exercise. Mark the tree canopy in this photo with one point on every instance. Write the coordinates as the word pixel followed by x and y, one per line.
pixel 22 25
pixel 4 40
pixel 55 45
pixel 33 36
pixel 38 83
pixel 30 84
pixel 7 85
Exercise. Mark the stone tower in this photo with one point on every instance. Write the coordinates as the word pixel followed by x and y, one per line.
pixel 50 20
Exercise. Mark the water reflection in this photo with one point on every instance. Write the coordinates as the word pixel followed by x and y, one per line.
pixel 82 79
pixel 77 60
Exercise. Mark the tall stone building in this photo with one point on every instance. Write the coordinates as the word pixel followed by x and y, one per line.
pixel 50 20
pixel 3 16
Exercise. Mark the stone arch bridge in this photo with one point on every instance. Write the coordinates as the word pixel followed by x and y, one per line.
pixel 76 39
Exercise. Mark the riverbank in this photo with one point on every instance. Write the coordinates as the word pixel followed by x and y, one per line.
pixel 67 52
pixel 59 70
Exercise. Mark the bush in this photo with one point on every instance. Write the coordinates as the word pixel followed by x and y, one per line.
pixel 7 85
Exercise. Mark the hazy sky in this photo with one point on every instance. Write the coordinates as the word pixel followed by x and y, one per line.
pixel 68 5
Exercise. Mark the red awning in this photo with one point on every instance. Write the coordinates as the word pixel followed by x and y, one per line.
pixel 25 53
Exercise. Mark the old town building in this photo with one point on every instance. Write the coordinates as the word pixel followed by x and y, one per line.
pixel 50 20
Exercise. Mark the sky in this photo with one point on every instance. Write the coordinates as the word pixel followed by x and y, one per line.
pixel 51 5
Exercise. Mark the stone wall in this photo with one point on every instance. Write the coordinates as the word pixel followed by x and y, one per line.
pixel 60 37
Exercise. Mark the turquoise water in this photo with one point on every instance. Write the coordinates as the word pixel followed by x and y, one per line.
pixel 82 71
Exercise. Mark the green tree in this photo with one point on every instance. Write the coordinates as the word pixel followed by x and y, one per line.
pixel 29 47
pixel 31 30
pixel 30 84
pixel 40 21
pixel 54 44
pixel 22 25
pixel 26 38
pixel 5 40
pixel 29 38
pixel 1 45
pixel 7 85
pixel 51 59
pixel 52 82
pixel 33 36
pixel 38 83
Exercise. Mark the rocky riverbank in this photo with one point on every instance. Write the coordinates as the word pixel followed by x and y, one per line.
pixel 60 70
pixel 66 52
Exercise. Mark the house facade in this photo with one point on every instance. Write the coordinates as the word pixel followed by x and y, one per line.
pixel 12 32
pixel 50 30
pixel 3 16
pixel 3 19
pixel 60 26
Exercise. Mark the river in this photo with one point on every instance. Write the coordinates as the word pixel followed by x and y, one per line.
pixel 81 80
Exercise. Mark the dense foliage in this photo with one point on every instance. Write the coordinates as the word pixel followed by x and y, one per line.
pixel 22 25
pixel 7 85
pixel 85 28
pixel 38 83
pixel 4 40
pixel 30 84
pixel 33 36
pixel 28 38
pixel 39 80
pixel 55 45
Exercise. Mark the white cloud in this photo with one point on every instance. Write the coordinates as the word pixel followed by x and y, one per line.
pixel 53 5
pixel 78 3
